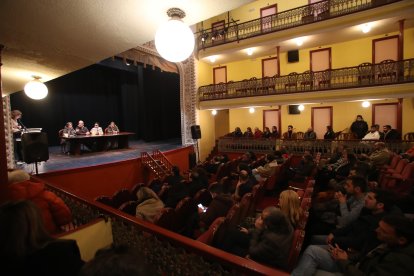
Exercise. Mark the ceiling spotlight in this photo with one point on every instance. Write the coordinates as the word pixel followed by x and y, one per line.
pixel 301 107
pixel 251 109
pixel 214 112
pixel 212 58
pixel 365 28
pixel 299 41
pixel 250 51
pixel 35 89
pixel 366 104
pixel 174 40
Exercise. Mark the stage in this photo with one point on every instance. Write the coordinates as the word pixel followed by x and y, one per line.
pixel 60 161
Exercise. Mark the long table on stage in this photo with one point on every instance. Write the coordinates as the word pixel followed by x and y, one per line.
pixel 98 142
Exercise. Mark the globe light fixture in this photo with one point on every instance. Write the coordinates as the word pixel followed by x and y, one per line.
pixel 212 58
pixel 174 40
pixel 366 104
pixel 251 109
pixel 214 112
pixel 299 41
pixel 301 107
pixel 35 89
pixel 365 28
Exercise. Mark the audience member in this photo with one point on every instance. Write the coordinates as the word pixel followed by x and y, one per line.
pixel 359 127
pixel 26 248
pixel 118 261
pixel 17 128
pixel 373 134
pixel 329 134
pixel 262 173
pixel 379 157
pixel 196 183
pixel 257 133
pixel 290 134
pixel 218 207
pixel 244 185
pixel 112 128
pixel 275 132
pixel 390 134
pixel 289 203
pixel 149 204
pixel 96 130
pixel 237 132
pixel 177 190
pixel 81 129
pixel 248 133
pixel 266 133
pixel 268 243
pixel 309 134
pixel 358 237
pixel 54 211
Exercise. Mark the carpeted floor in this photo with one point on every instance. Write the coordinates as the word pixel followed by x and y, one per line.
pixel 60 161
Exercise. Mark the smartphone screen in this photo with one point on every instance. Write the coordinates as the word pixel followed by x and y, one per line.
pixel 202 207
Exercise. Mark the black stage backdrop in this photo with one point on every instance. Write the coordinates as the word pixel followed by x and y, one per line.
pixel 140 100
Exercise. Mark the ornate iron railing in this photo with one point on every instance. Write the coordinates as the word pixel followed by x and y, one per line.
pixel 326 147
pixel 366 74
pixel 160 157
pixel 154 165
pixel 170 253
pixel 315 12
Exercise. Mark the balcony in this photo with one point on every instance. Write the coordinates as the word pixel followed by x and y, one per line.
pixel 300 16
pixel 364 75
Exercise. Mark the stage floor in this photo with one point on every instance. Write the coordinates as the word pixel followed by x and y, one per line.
pixel 60 161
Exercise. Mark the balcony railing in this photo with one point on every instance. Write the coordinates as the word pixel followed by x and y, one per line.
pixel 325 147
pixel 284 20
pixel 366 74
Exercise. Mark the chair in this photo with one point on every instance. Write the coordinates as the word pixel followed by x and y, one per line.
pixel 183 213
pixel 305 204
pixel 400 182
pixel 208 236
pixel 365 73
pixel 292 81
pixel 165 219
pixel 233 216
pixel 409 136
pixel 387 70
pixel 324 78
pixel 268 84
pixel 306 80
pixel 245 203
pixel 120 197
pixel 129 207
pixel 303 220
pixel 299 135
pixel 63 142
pixel 257 194
pixel 297 242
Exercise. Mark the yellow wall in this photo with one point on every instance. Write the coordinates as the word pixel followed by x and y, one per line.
pixel 408 115
pixel 204 73
pixel 207 125
pixel 345 54
pixel 221 123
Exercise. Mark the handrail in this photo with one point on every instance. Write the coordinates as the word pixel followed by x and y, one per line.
pixel 158 155
pixel 174 254
pixel 298 146
pixel 383 73
pixel 151 163
pixel 295 17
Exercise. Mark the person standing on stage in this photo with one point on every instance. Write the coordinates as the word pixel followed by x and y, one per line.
pixel 81 129
pixel 17 128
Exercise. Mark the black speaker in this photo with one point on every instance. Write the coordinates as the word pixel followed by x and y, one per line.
pixel 35 147
pixel 293 56
pixel 195 132
pixel 294 109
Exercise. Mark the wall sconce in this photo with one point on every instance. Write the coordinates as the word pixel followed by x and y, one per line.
pixel 301 107
pixel 214 112
pixel 365 28
pixel 35 89
pixel 212 58
pixel 251 110
pixel 299 41
pixel 366 104
pixel 249 51
pixel 174 40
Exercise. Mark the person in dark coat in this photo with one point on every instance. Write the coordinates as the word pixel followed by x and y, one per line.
pixel 26 248
pixel 329 134
pixel 389 134
pixel 218 207
pixel 359 127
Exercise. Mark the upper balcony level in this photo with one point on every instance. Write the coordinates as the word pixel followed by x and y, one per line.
pixel 324 10
pixel 365 75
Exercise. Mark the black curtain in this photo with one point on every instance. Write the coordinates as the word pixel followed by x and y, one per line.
pixel 145 101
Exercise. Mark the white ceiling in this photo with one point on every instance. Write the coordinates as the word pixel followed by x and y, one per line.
pixel 51 38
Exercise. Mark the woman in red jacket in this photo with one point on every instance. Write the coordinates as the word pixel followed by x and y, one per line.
pixel 54 211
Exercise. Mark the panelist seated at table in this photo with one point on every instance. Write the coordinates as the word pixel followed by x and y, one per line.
pixel 81 129
pixel 112 128
pixel 96 130
pixel 69 131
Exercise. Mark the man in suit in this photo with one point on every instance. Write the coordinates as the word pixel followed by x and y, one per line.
pixel 390 134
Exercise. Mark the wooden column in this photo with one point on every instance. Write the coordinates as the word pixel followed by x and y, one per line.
pixel 3 155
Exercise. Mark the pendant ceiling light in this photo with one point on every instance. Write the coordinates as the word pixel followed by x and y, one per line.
pixel 35 89
pixel 174 40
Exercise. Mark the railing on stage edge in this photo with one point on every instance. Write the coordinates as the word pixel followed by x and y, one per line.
pixel 170 253
pixel 326 147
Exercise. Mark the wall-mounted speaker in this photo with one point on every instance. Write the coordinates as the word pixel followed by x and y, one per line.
pixel 195 132
pixel 35 147
pixel 294 109
pixel 293 56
